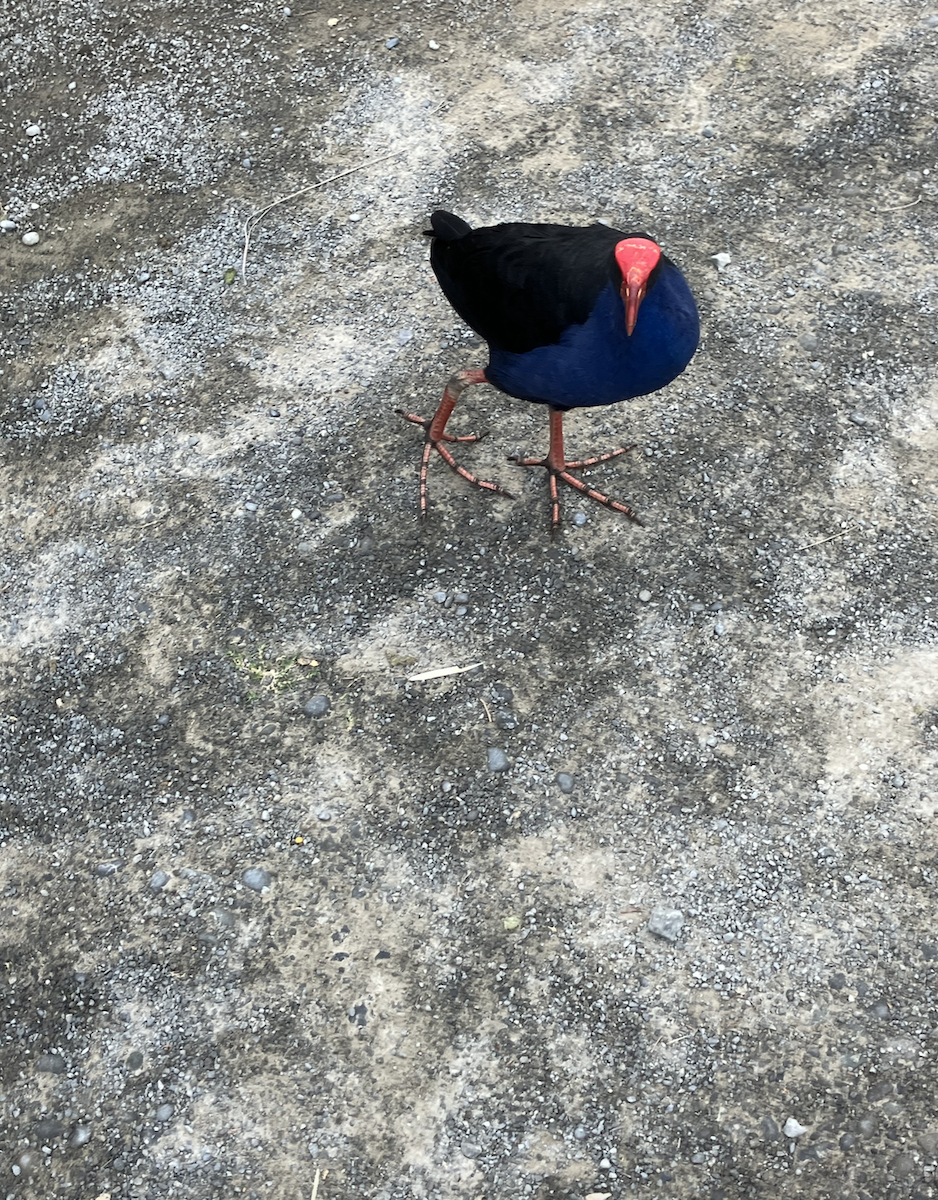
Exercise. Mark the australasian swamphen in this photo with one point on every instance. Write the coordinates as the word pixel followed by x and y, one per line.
pixel 574 318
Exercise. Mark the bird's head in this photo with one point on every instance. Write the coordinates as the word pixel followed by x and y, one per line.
pixel 637 257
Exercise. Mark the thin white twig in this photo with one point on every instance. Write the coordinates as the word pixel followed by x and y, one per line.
pixel 442 672
pixel 255 219
pixel 824 541
pixel 900 207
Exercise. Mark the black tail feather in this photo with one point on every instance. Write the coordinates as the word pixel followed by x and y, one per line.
pixel 447 227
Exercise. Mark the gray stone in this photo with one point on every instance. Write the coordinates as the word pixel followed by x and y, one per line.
pixel 109 868
pixel 498 760
pixel 666 923
pixel 565 782
pixel 808 341
pixel 902 1165
pixel 164 1113
pixel 30 239
pixel 928 1142
pixel 316 706
pixel 158 880
pixel 256 878
pixel 50 1064
pixel 793 1129
pixel 470 1150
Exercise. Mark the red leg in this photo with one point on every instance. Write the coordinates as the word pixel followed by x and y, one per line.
pixel 435 436
pixel 558 468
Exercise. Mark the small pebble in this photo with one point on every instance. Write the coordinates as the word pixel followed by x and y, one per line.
pixel 33 131
pixel 7 225
pixel 164 1112
pixel 439 597
pixel 470 1150
pixel 644 595
pixel 316 706
pixel 902 1165
pixel 858 418
pixel 325 814
pixel 404 336
pixel 433 45
pixel 355 217
pixel 273 412
pixel 81 1136
pixel 158 879
pixel 722 260
pixel 256 878
pixel 708 131
pixel 565 782
pixel 391 43
pixel 30 239
pixel 51 1064
pixel 109 868
pixel 792 1129
pixel 808 341
pixel 579 518
pixel 666 923
pixel 497 760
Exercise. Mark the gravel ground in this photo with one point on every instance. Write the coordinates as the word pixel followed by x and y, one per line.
pixel 642 899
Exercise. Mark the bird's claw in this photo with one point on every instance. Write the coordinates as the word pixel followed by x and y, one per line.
pixel 556 472
pixel 436 442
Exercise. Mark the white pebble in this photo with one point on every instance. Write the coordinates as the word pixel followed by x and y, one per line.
pixel 33 131
pixel 434 45
pixel 644 595
pixel 793 1129
pixel 30 239
pixel 7 225
pixel 722 260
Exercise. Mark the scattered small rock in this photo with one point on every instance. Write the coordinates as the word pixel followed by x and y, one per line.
pixel 579 518
pixel 33 131
pixel 256 878
pixel 565 782
pixel 808 341
pixel 109 868
pixel 164 1113
pixel 317 706
pixel 470 1150
pixel 50 1064
pixel 30 239
pixel 793 1129
pixel 498 760
pixel 666 923
pixel 644 595
pixel 902 1165
pixel 722 260
pixel 391 43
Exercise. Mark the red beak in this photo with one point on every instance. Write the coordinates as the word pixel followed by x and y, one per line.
pixel 633 293
pixel 637 258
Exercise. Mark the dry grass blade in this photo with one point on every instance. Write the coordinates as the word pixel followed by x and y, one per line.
pixel 255 219
pixel 442 672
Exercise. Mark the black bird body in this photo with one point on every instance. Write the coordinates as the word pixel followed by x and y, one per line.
pixel 573 318
pixel 547 300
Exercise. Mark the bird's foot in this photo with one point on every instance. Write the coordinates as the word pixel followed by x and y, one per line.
pixel 558 471
pixel 435 437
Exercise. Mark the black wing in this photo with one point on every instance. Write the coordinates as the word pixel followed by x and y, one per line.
pixel 520 286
